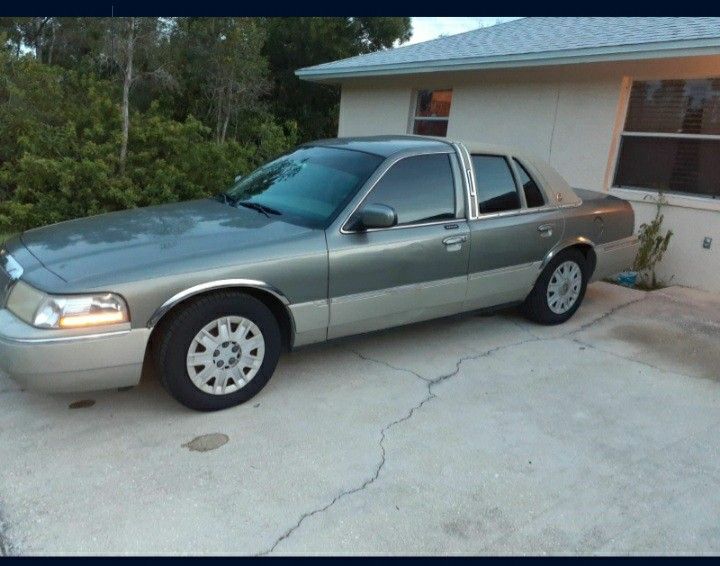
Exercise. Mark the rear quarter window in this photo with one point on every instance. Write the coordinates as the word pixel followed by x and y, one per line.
pixel 533 194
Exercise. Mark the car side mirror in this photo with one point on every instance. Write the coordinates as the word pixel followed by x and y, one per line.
pixel 238 177
pixel 375 216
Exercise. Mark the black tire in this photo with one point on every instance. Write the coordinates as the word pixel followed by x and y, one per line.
pixel 178 331
pixel 536 306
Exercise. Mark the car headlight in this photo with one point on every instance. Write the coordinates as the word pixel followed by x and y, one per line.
pixel 66 311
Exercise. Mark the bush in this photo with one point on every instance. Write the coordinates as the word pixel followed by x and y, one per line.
pixel 60 140
pixel 653 245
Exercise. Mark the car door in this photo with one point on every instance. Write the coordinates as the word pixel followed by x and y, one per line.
pixel 516 226
pixel 413 271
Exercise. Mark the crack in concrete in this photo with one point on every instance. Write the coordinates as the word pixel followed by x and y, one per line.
pixel 604 316
pixel 431 383
pixel 365 484
pixel 383 432
pixel 382 363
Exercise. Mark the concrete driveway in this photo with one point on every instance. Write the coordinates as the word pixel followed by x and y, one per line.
pixel 469 435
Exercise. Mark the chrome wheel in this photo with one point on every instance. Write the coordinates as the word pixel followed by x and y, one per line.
pixel 564 287
pixel 225 355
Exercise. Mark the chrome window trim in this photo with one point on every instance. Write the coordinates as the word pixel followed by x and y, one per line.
pixel 380 173
pixel 431 119
pixel 547 207
pixel 521 197
pixel 468 180
pixel 535 210
pixel 404 226
pixel 518 212
pixel 212 285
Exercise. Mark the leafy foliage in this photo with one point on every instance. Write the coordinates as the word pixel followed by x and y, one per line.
pixel 60 159
pixel 653 245
pixel 200 101
pixel 294 43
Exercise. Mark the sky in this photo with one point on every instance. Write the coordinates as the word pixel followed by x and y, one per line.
pixel 425 28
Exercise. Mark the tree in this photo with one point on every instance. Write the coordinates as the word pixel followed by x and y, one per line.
pixel 222 69
pixel 136 52
pixel 293 43
pixel 29 32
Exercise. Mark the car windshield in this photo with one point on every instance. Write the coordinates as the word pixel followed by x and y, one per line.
pixel 310 186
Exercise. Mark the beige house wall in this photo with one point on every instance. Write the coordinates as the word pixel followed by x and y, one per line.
pixel 571 116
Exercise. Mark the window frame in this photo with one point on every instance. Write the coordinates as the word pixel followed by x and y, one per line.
pixel 649 192
pixel 524 209
pixel 460 205
pixel 414 106
pixel 513 176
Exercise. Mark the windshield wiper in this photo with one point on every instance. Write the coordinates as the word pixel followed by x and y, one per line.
pixel 266 210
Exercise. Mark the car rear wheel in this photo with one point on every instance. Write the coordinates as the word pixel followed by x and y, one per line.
pixel 218 351
pixel 559 290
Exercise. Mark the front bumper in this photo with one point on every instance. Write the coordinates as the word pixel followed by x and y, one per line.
pixel 60 361
pixel 614 257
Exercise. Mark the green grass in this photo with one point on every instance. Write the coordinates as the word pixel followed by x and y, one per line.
pixel 6 236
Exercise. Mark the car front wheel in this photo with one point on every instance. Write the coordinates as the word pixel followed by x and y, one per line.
pixel 218 351
pixel 559 290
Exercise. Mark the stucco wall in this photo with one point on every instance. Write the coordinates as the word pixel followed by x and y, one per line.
pixel 372 111
pixel 570 116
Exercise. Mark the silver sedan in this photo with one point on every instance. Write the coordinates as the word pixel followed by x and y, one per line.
pixel 337 237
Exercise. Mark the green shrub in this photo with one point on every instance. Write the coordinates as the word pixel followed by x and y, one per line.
pixel 653 245
pixel 60 140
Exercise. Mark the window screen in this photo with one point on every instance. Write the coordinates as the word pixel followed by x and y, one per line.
pixel 533 194
pixel 496 191
pixel 671 139
pixel 419 188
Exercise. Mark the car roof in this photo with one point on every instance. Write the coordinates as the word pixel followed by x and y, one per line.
pixel 385 146
pixel 555 187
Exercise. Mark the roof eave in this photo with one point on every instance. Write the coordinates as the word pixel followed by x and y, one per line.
pixel 658 50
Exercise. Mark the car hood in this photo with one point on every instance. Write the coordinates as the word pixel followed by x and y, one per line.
pixel 153 241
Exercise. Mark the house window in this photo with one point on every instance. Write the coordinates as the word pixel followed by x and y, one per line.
pixel 671 138
pixel 432 110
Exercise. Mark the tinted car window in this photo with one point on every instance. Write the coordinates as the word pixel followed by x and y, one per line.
pixel 495 184
pixel 310 185
pixel 419 188
pixel 533 194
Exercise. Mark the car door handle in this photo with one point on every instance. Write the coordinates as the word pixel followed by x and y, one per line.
pixel 545 230
pixel 453 240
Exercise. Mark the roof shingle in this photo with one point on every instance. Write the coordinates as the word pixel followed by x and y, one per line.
pixel 533 39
